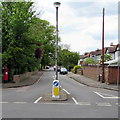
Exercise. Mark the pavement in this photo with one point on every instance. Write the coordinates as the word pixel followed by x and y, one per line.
pixel 29 81
pixel 79 78
pixel 92 83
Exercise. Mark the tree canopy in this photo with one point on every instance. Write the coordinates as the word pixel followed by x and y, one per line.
pixel 26 39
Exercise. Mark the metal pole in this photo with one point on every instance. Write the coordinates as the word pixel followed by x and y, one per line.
pixel 56 43
pixel 103 80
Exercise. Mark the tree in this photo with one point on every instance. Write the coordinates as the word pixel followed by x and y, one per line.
pixel 18 48
pixel 67 58
pixel 88 61
pixel 44 33
pixel 107 57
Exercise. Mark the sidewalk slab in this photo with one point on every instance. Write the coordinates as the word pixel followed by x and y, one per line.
pixel 92 83
pixel 29 81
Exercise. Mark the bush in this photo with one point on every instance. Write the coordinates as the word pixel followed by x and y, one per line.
pixel 76 67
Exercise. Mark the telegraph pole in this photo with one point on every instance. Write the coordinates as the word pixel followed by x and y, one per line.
pixel 103 76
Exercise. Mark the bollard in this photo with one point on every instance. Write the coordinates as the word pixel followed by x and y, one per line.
pixel 55 90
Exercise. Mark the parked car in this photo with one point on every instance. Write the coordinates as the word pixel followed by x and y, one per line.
pixel 47 67
pixel 63 71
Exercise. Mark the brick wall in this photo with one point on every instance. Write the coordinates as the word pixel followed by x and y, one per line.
pixel 111 73
pixel 91 72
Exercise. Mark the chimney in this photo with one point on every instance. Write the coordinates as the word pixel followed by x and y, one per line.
pixel 111 44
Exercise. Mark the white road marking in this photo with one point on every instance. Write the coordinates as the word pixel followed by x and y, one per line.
pixel 84 103
pixel 20 102
pixel 75 100
pixel 59 103
pixel 3 102
pixel 66 91
pixel 103 104
pixel 118 104
pixel 108 96
pixel 38 99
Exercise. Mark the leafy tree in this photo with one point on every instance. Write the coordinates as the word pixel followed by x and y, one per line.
pixel 18 47
pixel 88 61
pixel 107 57
pixel 67 58
pixel 44 33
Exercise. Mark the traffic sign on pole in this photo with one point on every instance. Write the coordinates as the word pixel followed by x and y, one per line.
pixel 55 91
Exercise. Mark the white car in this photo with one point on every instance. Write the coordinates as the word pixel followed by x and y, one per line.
pixel 63 71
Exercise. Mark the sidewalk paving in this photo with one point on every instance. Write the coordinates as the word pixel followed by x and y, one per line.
pixel 92 83
pixel 29 81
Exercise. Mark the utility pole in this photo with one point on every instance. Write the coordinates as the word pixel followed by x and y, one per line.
pixel 103 76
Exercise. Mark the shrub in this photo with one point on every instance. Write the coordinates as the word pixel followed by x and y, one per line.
pixel 75 68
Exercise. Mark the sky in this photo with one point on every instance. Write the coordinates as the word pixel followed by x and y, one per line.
pixel 80 22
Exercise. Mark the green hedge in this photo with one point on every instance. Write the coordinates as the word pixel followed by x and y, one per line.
pixel 76 67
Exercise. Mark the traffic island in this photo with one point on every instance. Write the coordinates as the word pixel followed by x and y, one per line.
pixel 62 94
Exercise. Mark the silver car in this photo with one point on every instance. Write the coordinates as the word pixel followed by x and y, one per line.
pixel 63 71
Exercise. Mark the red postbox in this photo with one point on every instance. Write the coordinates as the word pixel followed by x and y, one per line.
pixel 5 75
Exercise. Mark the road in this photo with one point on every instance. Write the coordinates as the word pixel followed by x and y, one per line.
pixel 83 102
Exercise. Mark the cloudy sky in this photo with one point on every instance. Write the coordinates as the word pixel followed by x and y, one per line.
pixel 80 22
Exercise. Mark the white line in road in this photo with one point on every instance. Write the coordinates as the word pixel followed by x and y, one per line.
pixel 66 91
pixel 84 103
pixel 75 100
pixel 38 99
pixel 107 96
pixel 58 103
pixel 98 94
pixel 20 102
pixel 103 104
pixel 3 102
pixel 118 104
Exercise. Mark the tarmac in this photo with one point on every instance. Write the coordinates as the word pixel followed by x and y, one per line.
pixel 79 78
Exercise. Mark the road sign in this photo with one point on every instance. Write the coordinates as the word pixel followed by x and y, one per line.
pixel 55 91
pixel 55 83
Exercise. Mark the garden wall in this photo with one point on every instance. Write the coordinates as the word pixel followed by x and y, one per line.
pixel 22 77
pixel 112 74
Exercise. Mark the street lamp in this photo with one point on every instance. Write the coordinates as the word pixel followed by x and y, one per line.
pixel 55 90
pixel 57 5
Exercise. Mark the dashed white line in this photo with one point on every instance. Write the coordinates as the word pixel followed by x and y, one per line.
pixel 38 99
pixel 3 102
pixel 118 104
pixel 75 100
pixel 58 103
pixel 103 104
pixel 66 91
pixel 20 102
pixel 84 103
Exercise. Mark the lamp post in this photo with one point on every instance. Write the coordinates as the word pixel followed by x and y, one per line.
pixel 55 90
pixel 57 5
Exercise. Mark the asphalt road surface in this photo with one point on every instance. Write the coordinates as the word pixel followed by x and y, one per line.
pixel 83 102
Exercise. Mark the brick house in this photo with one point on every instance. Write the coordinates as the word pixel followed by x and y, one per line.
pixel 112 67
